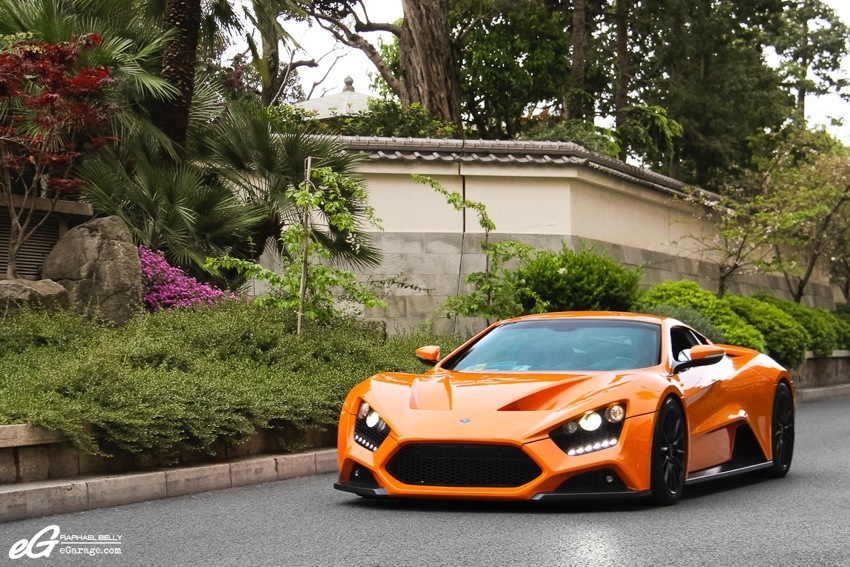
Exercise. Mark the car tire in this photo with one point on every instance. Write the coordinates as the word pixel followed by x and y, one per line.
pixel 669 454
pixel 781 431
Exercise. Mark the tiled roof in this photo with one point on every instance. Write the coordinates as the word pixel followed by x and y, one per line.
pixel 509 152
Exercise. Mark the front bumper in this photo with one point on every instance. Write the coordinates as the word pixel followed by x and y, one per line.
pixel 562 477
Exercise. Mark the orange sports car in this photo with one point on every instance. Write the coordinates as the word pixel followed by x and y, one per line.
pixel 569 405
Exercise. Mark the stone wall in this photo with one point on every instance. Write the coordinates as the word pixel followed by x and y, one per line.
pixel 440 262
pixel 30 454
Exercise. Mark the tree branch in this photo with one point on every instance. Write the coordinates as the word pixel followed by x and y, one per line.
pixel 343 34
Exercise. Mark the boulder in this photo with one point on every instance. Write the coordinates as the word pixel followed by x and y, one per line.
pixel 98 264
pixel 15 294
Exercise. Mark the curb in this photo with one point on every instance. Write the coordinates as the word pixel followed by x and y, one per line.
pixel 44 498
pixel 822 392
pixel 21 501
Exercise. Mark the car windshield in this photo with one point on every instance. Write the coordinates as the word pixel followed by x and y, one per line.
pixel 562 345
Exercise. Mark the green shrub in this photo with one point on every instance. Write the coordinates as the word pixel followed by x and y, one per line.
pixel 787 340
pixel 574 281
pixel 689 294
pixel 35 328
pixel 819 323
pixel 842 318
pixel 187 379
pixel 689 316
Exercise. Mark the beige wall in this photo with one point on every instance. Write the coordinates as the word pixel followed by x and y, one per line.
pixel 566 201
pixel 432 246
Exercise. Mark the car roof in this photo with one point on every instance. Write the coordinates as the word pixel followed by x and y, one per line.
pixel 616 315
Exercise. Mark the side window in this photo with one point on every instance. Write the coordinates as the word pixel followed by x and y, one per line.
pixel 681 338
pixel 702 340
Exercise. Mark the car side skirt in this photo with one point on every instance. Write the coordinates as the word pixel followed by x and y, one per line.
pixel 715 473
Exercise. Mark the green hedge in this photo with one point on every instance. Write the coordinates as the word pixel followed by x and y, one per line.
pixel 575 281
pixel 823 327
pixel 689 316
pixel 689 294
pixel 187 379
pixel 786 340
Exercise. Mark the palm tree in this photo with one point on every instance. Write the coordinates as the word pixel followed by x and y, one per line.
pixel 260 163
pixel 176 208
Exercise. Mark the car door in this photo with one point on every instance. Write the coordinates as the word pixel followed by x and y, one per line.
pixel 710 441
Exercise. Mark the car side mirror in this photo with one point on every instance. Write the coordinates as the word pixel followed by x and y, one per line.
pixel 700 355
pixel 428 355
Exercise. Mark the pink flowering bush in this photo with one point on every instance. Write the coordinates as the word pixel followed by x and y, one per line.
pixel 168 287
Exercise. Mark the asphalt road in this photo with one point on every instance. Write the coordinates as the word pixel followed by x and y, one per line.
pixel 802 520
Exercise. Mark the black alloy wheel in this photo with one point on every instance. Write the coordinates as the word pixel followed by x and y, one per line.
pixel 669 454
pixel 782 431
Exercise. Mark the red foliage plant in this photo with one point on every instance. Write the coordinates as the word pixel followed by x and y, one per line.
pixel 52 112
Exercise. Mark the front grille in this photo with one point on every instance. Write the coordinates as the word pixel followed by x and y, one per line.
pixel 604 480
pixel 463 465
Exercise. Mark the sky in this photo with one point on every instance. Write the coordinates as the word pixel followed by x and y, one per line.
pixel 317 43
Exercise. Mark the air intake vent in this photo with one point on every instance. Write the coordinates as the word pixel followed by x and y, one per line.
pixel 463 465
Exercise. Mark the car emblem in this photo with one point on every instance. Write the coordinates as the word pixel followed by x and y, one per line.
pixel 465 420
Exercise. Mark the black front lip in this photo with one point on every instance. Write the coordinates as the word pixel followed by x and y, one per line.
pixel 573 496
pixel 369 492
pixel 361 490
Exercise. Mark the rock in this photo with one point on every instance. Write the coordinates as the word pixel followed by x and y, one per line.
pixel 98 264
pixel 15 294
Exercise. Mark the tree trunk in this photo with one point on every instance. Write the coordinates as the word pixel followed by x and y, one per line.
pixel 621 90
pixel 426 58
pixel 575 107
pixel 14 248
pixel 179 57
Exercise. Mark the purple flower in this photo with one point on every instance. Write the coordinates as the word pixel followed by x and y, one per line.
pixel 168 287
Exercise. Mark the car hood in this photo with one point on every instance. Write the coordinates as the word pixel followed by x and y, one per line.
pixel 490 407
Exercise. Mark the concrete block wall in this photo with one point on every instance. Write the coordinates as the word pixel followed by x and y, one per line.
pixel 438 264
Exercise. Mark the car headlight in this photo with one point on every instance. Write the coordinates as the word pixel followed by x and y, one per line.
pixel 370 429
pixel 591 432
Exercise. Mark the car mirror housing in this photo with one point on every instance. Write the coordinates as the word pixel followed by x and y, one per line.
pixel 428 355
pixel 701 355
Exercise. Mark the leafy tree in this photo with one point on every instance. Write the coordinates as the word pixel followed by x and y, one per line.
pixel 747 229
pixel 512 60
pixel 839 264
pixel 708 72
pixel 492 296
pixel 809 182
pixel 812 43
pixel 52 113
pixel 427 66
pixel 594 138
pixel 306 286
